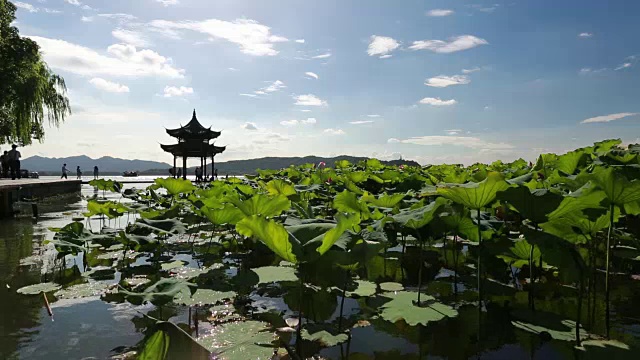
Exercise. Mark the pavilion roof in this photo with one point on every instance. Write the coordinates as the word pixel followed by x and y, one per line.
pixel 191 149
pixel 193 130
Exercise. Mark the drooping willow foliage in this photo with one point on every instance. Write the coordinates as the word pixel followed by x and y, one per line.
pixel 30 93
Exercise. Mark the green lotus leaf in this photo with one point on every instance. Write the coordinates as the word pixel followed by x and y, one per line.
pixel 173 265
pixel 587 197
pixel 155 214
pixel 460 222
pixel 188 273
pixel 518 254
pixel 531 204
pixel 156 347
pixel 391 286
pixel 36 289
pixel 166 226
pixel 539 321
pixel 401 307
pixel 568 163
pixel 597 349
pixel 475 195
pixel 280 187
pixel 348 202
pixel 331 237
pixel 160 292
pixel 384 200
pixel 579 228
pixel 170 342
pixel 557 252
pixel 175 186
pixel 89 289
pixel 264 205
pixel 418 218
pixel 342 164
pixel 272 234
pixel 110 209
pixel 202 297
pixel 240 340
pixel 271 274
pixel 615 185
pixel 228 214
pixel 106 185
pixel 363 289
pixel 323 336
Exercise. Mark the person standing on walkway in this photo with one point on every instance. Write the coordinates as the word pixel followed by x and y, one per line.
pixel 78 172
pixel 14 162
pixel 4 162
pixel 64 171
pixel 95 172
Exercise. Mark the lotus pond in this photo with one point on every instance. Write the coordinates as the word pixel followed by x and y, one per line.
pixel 350 261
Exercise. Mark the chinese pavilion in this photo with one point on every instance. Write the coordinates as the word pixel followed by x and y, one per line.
pixel 193 142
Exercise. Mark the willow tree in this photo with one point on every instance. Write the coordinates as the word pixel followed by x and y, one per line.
pixel 30 94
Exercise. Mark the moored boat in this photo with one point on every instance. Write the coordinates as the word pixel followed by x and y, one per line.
pixel 130 174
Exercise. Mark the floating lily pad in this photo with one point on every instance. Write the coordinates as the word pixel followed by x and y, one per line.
pixel 240 341
pixel 173 265
pixel 401 307
pixel 391 286
pixel 324 337
pixel 36 289
pixel 100 273
pixel 202 297
pixel 269 274
pixel 223 314
pixel 606 349
pixel 96 288
pixel 364 289
pixel 556 326
pixel 117 255
pixel 188 273
pixel 136 281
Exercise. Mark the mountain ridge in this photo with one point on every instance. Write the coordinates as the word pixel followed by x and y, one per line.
pixel 115 166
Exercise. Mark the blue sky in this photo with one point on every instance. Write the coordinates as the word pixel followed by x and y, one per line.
pixel 435 81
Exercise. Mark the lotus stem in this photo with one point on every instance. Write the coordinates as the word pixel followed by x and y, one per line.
pixel 479 275
pixel 531 280
pixel 455 263
pixel 344 294
pixel 581 291
pixel 46 304
pixel 420 265
pixel 606 280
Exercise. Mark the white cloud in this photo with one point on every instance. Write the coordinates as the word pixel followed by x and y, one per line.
pixel 393 141
pixel 172 91
pixel 607 118
pixel 123 60
pixel 79 4
pixel 437 102
pixel 440 12
pixel 273 87
pixel 309 100
pixel 305 110
pixel 624 66
pixel 130 37
pixel 248 95
pixel 444 81
pixel 585 35
pixel 109 86
pixel 360 122
pixel 168 2
pixel 300 41
pixel 30 8
pixel 458 43
pixel 250 126
pixel 253 38
pixel 453 131
pixel 87 18
pixel 311 74
pixel 334 131
pixel 373 115
pixel 466 141
pixel 381 45
pixel 120 17
pixel 232 69
pixel 308 121
pixel 472 70
pixel 386 56
pixel 322 56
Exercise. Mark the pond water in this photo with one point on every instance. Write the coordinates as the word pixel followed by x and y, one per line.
pixel 92 328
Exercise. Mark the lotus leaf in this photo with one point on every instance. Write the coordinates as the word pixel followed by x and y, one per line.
pixel 401 307
pixel 173 265
pixel 202 297
pixel 159 293
pixel 348 202
pixel 363 289
pixel 228 214
pixel 417 218
pixel 240 341
pixel 270 274
pixel 166 226
pixel 36 289
pixel 391 286
pixel 264 205
pixel 280 187
pixel 272 234
pixel 175 186
pixel 89 289
pixel 324 337
pixel 170 342
pixel 615 185
pixel 475 195
pixel 531 204
pixel 537 322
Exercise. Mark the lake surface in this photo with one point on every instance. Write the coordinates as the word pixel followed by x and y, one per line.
pixel 92 328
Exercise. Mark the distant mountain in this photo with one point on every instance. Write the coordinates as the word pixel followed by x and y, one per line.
pixel 114 166
pixel 107 165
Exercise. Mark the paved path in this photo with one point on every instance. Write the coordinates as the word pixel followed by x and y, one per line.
pixel 6 184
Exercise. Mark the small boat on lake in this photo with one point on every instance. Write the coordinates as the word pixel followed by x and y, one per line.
pixel 130 174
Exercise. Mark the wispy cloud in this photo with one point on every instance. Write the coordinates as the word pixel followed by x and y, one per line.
pixel 607 118
pixel 334 131
pixel 300 41
pixel 393 141
pixel 132 37
pixel 437 102
pixel 250 126
pixel 309 100
pixel 168 2
pixel 308 121
pixel 465 141
pixel 311 74
pixel 585 35
pixel 444 81
pixel 274 86
pixel 253 38
pixel 373 115
pixel 484 8
pixel 32 9
pixel 322 56
pixel 439 12
pixel 79 4
pixel 382 45
pixel 172 91
pixel 122 60
pixel 108 86
pixel 624 66
pixel 472 70
pixel 248 95
pixel 361 122
pixel 458 43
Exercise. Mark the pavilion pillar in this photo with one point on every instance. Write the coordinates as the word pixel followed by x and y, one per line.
pixel 175 174
pixel 201 168
pixel 184 167
pixel 205 166
pixel 213 165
